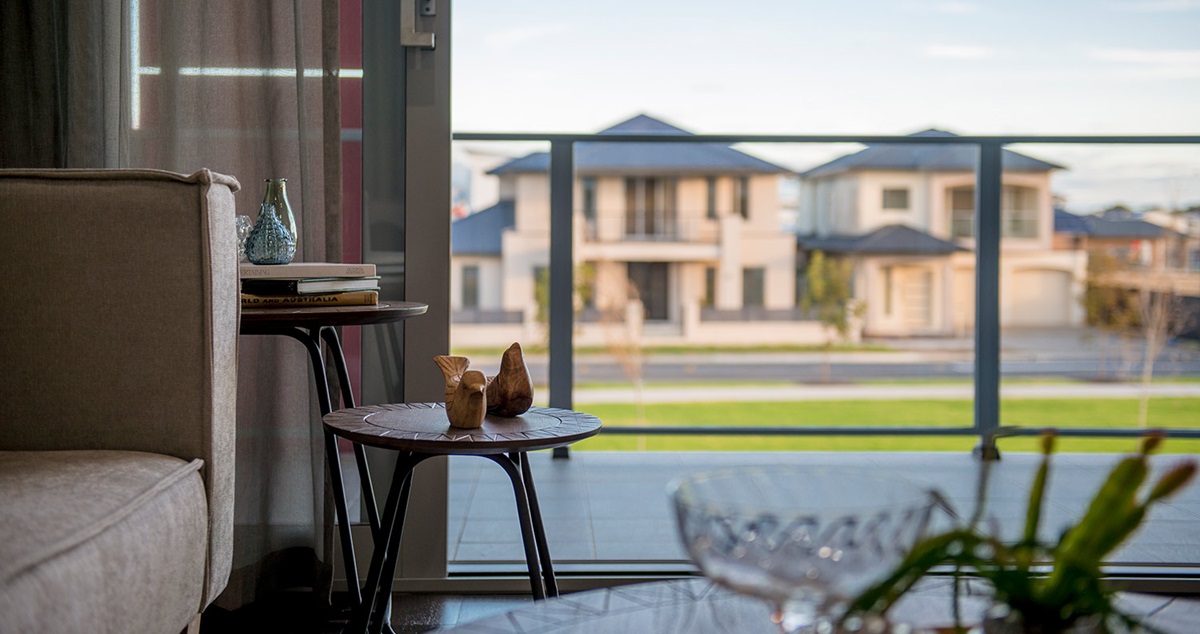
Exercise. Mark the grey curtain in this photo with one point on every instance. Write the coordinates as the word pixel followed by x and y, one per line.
pixel 243 88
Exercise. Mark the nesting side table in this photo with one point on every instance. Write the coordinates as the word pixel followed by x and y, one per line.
pixel 419 431
pixel 310 326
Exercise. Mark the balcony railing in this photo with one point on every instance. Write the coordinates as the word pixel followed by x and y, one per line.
pixel 755 313
pixel 1014 224
pixel 987 230
pixel 672 226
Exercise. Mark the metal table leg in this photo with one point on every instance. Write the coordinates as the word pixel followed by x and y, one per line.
pixel 525 516
pixel 329 334
pixel 372 612
pixel 360 453
pixel 312 342
pixel 539 532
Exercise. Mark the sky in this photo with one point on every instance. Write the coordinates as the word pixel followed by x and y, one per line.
pixel 855 66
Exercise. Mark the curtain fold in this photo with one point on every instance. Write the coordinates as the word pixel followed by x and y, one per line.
pixel 64 94
pixel 242 88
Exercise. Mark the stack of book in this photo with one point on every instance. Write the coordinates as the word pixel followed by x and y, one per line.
pixel 309 284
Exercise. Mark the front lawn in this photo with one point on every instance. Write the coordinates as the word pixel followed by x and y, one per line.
pixel 1087 413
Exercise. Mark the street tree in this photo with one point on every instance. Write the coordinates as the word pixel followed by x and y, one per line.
pixel 828 294
pixel 1109 307
pixel 1163 317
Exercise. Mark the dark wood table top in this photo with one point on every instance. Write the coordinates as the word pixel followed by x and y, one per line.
pixel 699 606
pixel 266 320
pixel 424 428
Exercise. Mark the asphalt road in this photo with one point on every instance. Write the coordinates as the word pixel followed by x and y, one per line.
pixel 1062 353
pixel 666 370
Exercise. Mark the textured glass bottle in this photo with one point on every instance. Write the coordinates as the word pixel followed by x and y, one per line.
pixel 269 241
pixel 277 195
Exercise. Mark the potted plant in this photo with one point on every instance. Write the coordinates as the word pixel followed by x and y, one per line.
pixel 1041 587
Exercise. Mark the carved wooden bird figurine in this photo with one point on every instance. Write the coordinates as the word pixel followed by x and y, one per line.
pixel 510 392
pixel 467 406
pixel 452 369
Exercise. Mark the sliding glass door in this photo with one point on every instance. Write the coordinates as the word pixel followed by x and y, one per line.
pixel 402 152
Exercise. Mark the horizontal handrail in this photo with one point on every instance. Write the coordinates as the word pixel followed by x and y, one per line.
pixel 975 139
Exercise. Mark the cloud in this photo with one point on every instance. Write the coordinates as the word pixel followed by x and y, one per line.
pixel 957 8
pixel 1157 62
pixel 1148 56
pixel 958 51
pixel 951 7
pixel 512 38
pixel 1155 6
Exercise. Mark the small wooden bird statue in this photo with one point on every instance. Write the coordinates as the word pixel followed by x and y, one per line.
pixel 467 406
pixel 510 392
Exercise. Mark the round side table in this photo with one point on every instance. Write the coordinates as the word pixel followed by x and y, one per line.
pixel 419 431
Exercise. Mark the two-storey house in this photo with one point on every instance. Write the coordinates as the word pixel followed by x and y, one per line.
pixel 681 239
pixel 904 214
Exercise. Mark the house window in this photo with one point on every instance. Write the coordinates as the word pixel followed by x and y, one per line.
pixel 741 196
pixel 1018 212
pixel 895 198
pixel 753 287
pixel 710 286
pixel 588 184
pixel 650 208
pixel 711 208
pixel 1193 260
pixel 962 212
pixel 470 286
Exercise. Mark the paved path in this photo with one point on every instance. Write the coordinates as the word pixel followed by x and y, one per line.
pixel 875 392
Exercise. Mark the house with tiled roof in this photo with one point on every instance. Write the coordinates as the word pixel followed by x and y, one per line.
pixel 1131 241
pixel 680 241
pixel 904 215
pixel 1155 250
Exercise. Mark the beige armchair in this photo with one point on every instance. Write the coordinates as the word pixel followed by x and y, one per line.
pixel 118 338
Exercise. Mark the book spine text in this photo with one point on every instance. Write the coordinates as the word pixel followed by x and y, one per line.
pixel 364 298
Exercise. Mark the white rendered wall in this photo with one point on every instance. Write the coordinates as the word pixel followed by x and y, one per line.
pixel 871 213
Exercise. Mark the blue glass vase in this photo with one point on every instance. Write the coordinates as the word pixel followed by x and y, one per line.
pixel 270 242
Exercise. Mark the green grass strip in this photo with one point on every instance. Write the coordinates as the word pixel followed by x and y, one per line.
pixel 1182 413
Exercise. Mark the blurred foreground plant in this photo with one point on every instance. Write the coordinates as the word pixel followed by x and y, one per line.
pixel 1046 587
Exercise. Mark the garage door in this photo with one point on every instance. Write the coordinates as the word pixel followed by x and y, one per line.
pixel 1040 298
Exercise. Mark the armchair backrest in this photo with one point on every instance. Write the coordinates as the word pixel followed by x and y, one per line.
pixel 119 318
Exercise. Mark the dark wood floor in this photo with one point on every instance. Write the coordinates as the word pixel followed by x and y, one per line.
pixel 425 612
pixel 411 613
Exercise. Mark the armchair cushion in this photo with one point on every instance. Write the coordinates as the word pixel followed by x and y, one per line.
pixel 86 526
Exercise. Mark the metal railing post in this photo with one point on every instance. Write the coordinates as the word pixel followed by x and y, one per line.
pixel 987 298
pixel 562 274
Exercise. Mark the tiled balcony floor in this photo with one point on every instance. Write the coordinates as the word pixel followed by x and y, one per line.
pixel 611 508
